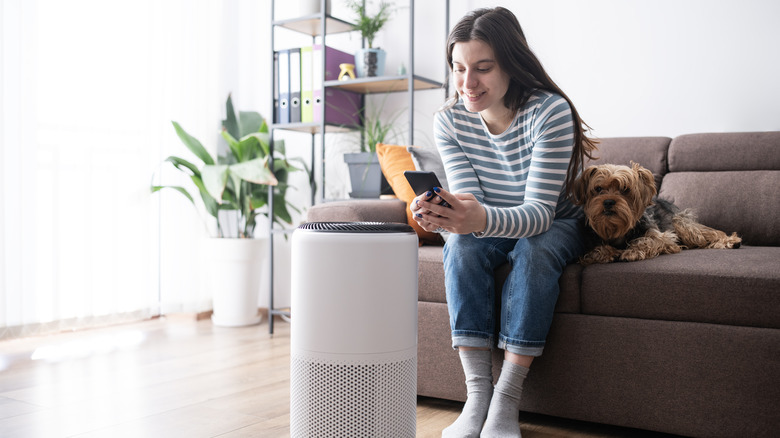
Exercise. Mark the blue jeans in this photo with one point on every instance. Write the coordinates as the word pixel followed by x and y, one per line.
pixel 528 298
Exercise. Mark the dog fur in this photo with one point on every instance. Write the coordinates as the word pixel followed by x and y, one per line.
pixel 625 221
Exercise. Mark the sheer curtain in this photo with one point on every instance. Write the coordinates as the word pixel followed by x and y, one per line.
pixel 88 90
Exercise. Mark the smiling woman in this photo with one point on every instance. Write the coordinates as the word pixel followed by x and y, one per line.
pixel 88 89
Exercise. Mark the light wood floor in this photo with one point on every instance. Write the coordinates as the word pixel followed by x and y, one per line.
pixel 180 378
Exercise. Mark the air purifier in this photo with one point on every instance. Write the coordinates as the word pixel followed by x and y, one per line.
pixel 353 370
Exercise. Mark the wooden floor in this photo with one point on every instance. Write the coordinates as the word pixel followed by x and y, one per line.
pixel 180 378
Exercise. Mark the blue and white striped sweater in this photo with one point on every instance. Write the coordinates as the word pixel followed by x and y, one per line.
pixel 517 175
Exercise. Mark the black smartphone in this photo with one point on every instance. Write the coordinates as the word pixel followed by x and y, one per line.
pixel 422 182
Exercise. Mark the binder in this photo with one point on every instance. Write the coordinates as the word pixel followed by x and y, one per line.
pixel 284 86
pixel 295 85
pixel 342 107
pixel 307 94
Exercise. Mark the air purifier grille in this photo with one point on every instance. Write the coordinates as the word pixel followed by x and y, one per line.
pixel 356 227
pixel 342 398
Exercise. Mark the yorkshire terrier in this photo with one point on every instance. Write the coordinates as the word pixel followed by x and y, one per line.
pixel 627 222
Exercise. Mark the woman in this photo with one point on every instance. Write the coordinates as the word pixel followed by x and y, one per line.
pixel 512 144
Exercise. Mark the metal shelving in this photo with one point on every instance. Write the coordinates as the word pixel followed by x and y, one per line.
pixel 320 26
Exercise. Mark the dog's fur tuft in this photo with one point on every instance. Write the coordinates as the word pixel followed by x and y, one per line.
pixel 627 222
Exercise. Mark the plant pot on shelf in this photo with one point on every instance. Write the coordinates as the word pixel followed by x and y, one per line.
pixel 311 7
pixel 235 270
pixel 365 175
pixel 370 62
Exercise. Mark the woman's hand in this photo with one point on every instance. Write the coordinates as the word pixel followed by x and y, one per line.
pixel 464 215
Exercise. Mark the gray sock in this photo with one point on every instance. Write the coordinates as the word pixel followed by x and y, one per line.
pixel 502 420
pixel 478 367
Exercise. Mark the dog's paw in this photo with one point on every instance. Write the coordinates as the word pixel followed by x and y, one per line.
pixel 633 255
pixel 728 242
pixel 601 254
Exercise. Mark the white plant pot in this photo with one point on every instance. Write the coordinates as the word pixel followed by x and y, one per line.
pixel 235 270
pixel 311 7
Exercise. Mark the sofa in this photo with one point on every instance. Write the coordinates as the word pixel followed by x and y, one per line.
pixel 686 344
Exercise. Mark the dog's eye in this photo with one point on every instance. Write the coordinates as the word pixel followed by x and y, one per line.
pixel 625 190
pixel 597 189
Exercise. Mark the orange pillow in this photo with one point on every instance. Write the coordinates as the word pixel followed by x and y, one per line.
pixel 394 160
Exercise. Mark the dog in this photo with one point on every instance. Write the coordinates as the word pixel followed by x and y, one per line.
pixel 625 220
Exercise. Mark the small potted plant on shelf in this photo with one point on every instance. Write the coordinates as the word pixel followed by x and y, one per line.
pixel 235 190
pixel 370 61
pixel 365 173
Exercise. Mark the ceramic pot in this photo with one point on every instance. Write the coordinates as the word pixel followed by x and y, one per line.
pixel 235 270
pixel 370 62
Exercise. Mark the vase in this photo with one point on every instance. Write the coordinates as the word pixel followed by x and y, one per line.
pixel 235 270
pixel 370 62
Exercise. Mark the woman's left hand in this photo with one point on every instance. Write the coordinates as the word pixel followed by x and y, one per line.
pixel 464 215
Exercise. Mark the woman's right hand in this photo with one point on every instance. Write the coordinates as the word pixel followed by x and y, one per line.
pixel 460 214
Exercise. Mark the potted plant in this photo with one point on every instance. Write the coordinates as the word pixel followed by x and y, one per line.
pixel 365 173
pixel 370 61
pixel 235 190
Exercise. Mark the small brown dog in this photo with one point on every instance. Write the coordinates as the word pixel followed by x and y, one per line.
pixel 628 223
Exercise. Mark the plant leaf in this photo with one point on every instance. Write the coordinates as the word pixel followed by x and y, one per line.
pixel 231 124
pixel 249 122
pixel 235 149
pixel 179 189
pixel 255 171
pixel 212 207
pixel 193 144
pixel 184 165
pixel 279 148
pixel 259 142
pixel 215 179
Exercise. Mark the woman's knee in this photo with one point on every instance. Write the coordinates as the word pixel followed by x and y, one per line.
pixel 459 246
pixel 559 245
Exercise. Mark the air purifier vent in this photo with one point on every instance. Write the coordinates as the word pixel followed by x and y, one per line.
pixel 357 227
pixel 343 398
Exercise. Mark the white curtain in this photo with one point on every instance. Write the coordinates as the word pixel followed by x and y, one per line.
pixel 88 90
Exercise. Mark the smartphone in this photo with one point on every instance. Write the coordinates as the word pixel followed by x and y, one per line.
pixel 423 182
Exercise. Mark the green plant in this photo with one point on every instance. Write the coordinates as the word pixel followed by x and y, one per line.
pixel 376 129
pixel 240 180
pixel 369 25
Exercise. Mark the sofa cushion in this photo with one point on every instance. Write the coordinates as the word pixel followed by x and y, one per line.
pixel 431 280
pixel 431 274
pixel 428 159
pixel 650 152
pixel 394 160
pixel 729 286
pixel 725 151
pixel 743 201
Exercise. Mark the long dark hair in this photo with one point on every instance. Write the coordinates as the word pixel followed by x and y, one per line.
pixel 498 27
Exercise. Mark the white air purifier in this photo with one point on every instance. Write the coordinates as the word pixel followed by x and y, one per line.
pixel 353 350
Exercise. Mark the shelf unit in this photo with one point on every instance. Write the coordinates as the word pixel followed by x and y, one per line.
pixel 320 26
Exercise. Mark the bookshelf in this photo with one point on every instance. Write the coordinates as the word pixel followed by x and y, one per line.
pixel 318 27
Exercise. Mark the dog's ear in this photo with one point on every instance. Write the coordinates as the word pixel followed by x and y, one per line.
pixel 645 176
pixel 580 186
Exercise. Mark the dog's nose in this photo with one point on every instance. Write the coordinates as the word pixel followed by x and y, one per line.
pixel 609 203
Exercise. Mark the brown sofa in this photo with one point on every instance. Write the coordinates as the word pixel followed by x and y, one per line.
pixel 687 344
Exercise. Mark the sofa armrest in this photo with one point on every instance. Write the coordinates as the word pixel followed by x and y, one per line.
pixel 359 210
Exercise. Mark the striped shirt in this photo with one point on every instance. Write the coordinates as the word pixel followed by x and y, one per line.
pixel 518 175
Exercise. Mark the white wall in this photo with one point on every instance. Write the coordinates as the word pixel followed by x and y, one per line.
pixel 665 67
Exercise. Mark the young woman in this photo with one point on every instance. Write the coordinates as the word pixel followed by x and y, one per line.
pixel 512 144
